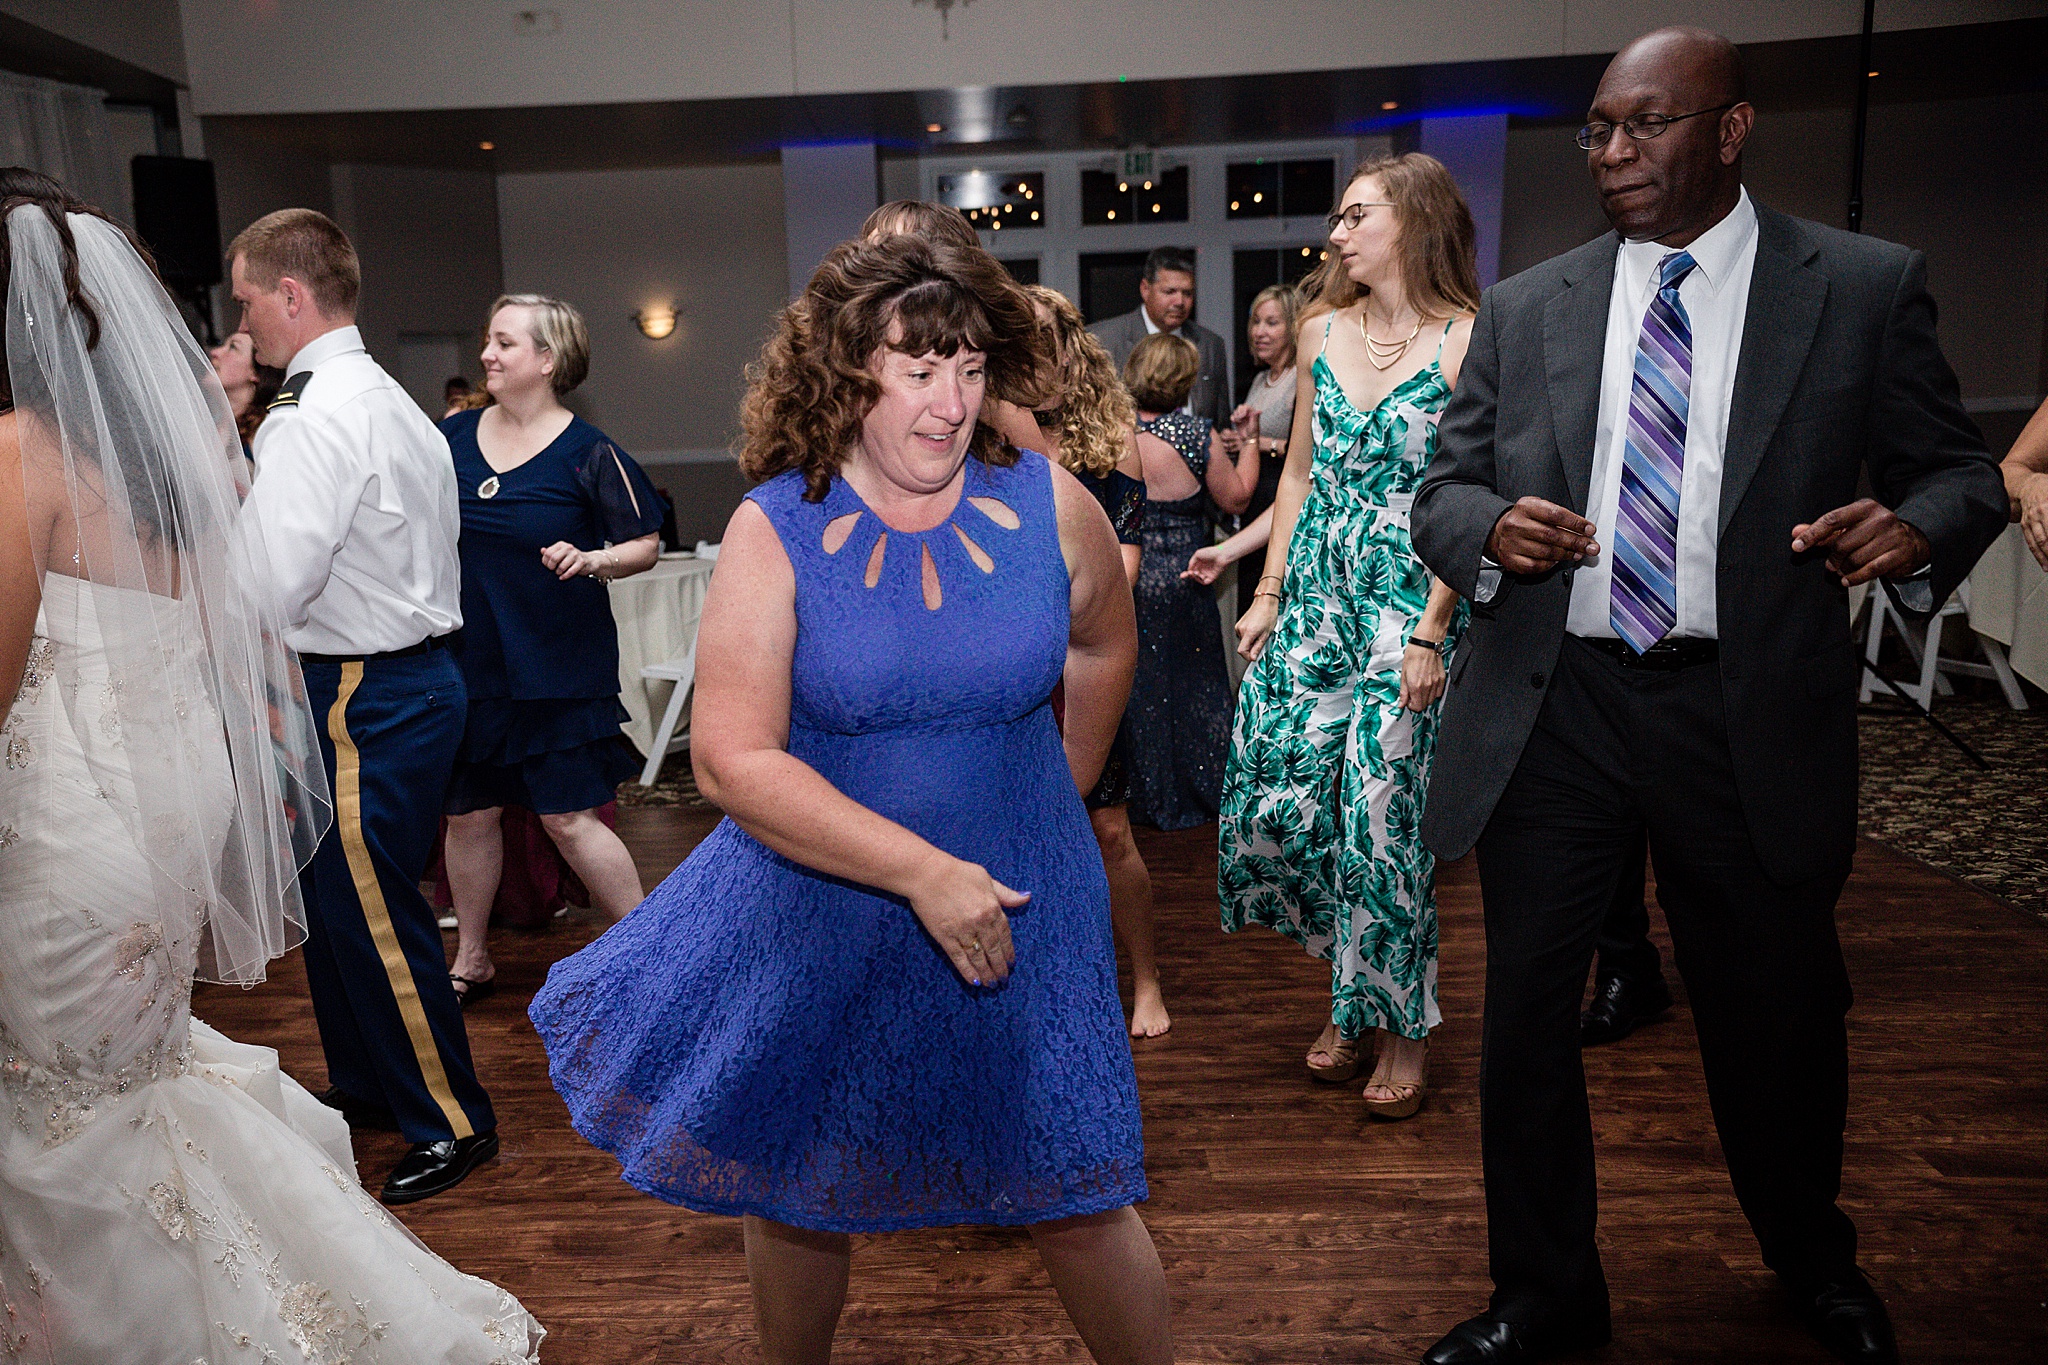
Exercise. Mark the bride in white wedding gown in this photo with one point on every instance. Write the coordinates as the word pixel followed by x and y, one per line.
pixel 167 1196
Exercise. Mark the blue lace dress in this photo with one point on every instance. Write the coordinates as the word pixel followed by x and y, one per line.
pixel 760 1038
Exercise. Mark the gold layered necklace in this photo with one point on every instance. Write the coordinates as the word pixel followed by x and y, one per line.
pixel 1384 355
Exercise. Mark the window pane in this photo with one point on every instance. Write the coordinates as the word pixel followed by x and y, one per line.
pixel 1111 199
pixel 1168 202
pixel 1253 188
pixel 1104 199
pixel 1297 261
pixel 994 200
pixel 1109 282
pixel 1308 189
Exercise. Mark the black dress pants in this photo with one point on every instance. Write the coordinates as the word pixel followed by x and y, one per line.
pixel 1625 947
pixel 1617 752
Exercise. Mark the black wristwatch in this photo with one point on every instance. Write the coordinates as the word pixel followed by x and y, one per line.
pixel 1417 640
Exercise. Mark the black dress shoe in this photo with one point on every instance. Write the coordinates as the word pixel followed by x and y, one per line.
pixel 1619 1006
pixel 359 1113
pixel 1847 1317
pixel 1489 1341
pixel 431 1167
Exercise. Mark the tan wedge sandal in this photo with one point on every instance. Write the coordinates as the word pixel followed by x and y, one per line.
pixel 1344 1057
pixel 1407 1095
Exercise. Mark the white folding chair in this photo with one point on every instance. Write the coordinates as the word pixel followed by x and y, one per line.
pixel 1924 645
pixel 682 671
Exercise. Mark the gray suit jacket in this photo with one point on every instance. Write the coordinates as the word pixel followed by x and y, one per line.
pixel 1210 397
pixel 1839 368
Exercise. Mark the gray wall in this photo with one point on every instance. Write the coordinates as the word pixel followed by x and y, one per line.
pixel 321 55
pixel 1966 181
pixel 707 238
pixel 431 264
pixel 145 33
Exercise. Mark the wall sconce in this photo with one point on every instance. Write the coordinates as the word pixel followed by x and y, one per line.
pixel 656 321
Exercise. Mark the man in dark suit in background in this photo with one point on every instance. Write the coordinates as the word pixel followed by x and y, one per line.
pixel 1647 486
pixel 1166 297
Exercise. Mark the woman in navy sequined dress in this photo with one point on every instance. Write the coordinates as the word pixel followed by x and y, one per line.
pixel 1181 701
pixel 882 994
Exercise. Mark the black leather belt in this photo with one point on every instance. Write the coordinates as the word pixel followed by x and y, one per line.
pixel 1666 656
pixel 426 646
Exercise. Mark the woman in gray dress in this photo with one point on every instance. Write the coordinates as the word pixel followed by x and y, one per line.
pixel 1263 420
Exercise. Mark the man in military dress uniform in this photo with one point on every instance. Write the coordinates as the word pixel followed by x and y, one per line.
pixel 355 501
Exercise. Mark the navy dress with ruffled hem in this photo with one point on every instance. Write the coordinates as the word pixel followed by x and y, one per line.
pixel 540 656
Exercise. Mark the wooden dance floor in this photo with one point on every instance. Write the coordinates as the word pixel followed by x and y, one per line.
pixel 1292 1228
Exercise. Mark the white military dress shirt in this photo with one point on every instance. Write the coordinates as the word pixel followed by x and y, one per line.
pixel 355 505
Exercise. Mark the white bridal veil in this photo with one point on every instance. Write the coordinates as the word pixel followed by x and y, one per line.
pixel 135 477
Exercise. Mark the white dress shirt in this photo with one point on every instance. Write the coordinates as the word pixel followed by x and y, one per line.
pixel 355 505
pixel 1716 300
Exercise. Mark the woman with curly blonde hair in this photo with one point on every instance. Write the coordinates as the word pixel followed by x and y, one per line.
pixel 814 1022
pixel 1093 432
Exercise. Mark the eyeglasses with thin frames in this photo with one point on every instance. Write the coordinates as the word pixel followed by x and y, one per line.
pixel 1641 127
pixel 1351 217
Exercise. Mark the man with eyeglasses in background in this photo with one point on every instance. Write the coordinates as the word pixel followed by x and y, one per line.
pixel 1647 486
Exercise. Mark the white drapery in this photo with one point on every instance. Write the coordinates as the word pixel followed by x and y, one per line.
pixel 62 131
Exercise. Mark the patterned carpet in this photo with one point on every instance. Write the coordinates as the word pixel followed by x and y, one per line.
pixel 674 787
pixel 1920 795
pixel 1924 798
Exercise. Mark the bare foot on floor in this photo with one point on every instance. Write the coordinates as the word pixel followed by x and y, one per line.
pixel 1148 1014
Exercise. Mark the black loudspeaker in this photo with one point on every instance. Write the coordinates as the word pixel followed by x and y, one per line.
pixel 177 214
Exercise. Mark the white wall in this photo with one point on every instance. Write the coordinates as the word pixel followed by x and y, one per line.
pixel 709 239
pixel 331 55
pixel 145 33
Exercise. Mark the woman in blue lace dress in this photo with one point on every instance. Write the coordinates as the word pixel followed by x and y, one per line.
pixel 1180 701
pixel 882 994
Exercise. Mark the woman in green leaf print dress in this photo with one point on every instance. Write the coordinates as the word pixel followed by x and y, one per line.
pixel 1336 721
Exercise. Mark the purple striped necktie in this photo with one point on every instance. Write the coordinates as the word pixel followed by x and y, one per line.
pixel 1643 606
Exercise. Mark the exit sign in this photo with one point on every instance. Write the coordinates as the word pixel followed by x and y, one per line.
pixel 1137 164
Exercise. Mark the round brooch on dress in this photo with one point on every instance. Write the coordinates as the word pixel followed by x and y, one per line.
pixel 488 488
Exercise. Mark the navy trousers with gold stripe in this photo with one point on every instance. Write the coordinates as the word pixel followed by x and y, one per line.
pixel 389 1019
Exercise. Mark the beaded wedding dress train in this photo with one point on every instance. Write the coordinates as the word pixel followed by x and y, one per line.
pixel 167 1196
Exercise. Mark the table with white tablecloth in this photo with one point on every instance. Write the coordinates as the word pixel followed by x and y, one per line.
pixel 2009 604
pixel 657 613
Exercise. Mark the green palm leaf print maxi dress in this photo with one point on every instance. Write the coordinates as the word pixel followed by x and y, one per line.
pixel 1320 831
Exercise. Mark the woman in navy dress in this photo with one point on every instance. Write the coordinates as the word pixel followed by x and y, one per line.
pixel 1181 701
pixel 837 1015
pixel 551 511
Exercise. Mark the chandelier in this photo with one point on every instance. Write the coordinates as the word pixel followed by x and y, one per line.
pixel 945 9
